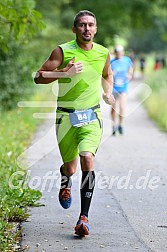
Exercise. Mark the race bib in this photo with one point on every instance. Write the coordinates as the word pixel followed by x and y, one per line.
pixel 82 117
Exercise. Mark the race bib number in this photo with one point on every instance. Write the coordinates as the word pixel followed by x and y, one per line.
pixel 82 117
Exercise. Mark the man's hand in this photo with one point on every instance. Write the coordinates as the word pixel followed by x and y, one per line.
pixel 70 70
pixel 73 68
pixel 108 98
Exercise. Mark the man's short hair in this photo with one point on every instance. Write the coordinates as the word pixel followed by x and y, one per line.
pixel 81 14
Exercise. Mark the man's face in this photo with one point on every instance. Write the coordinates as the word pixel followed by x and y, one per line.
pixel 119 54
pixel 85 28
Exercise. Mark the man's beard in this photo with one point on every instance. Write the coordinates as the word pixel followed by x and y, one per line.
pixel 87 39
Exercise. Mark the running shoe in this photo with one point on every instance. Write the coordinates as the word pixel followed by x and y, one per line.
pixel 120 129
pixel 65 198
pixel 82 226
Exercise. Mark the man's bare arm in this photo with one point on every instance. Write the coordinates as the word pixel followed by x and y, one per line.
pixel 49 72
pixel 130 73
pixel 53 62
pixel 107 82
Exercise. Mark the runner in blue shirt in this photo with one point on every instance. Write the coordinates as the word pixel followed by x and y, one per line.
pixel 122 68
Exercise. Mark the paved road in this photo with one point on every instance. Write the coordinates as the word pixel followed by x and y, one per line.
pixel 129 207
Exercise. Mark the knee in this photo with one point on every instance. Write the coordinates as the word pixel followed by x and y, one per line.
pixel 87 160
pixel 122 110
pixel 69 170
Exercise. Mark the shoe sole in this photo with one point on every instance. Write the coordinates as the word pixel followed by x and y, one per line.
pixel 81 230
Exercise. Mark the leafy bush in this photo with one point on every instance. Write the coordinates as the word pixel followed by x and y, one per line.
pixel 16 79
pixel 19 23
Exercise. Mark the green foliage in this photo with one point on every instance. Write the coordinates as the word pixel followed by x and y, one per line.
pixel 156 103
pixel 13 203
pixel 9 237
pixel 160 18
pixel 149 41
pixel 50 38
pixel 19 21
pixel 16 80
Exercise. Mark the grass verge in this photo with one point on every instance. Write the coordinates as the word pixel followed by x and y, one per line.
pixel 156 104
pixel 17 128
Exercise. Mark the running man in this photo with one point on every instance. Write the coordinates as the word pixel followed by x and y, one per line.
pixel 80 66
pixel 122 71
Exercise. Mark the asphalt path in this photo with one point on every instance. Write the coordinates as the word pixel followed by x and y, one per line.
pixel 129 205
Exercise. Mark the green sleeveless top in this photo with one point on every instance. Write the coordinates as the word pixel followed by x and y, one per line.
pixel 83 90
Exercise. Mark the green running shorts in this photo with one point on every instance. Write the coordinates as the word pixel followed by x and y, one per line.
pixel 74 140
